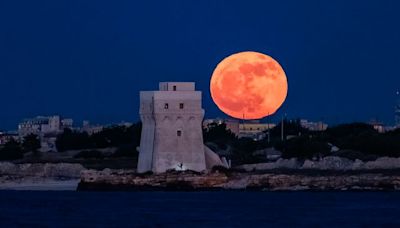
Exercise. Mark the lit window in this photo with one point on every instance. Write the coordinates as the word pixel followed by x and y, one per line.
pixel 181 105
pixel 166 106
pixel 179 133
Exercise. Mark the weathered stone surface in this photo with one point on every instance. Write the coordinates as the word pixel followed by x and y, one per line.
pixel 129 180
pixel 171 136
pixel 67 170
pixel 329 163
pixel 326 163
pixel 279 164
pixel 212 159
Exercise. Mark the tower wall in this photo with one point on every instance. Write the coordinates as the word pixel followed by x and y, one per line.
pixel 147 137
pixel 175 119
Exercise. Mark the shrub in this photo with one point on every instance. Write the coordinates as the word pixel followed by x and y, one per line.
pixel 86 154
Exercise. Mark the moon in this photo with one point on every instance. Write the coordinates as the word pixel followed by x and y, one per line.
pixel 248 85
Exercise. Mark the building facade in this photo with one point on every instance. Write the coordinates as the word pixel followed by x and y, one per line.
pixel 46 127
pixel 313 126
pixel 249 129
pixel 6 137
pixel 172 129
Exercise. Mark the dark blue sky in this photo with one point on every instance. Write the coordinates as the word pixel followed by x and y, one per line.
pixel 90 59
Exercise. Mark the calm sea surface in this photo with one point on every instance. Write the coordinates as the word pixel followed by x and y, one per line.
pixel 199 209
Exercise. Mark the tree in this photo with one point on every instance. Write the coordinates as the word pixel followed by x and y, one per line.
pixel 243 152
pixel 115 136
pixel 73 140
pixel 290 127
pixel 219 134
pixel 31 143
pixel 11 151
pixel 304 147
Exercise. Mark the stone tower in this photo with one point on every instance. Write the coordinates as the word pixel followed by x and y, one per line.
pixel 172 135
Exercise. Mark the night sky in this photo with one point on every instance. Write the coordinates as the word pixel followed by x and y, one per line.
pixel 90 59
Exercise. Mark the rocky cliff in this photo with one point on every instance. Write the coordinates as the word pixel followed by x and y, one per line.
pixel 327 163
pixel 129 180
pixel 19 172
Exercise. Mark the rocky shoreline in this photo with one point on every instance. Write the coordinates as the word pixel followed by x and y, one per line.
pixel 289 180
pixel 329 173
pixel 39 176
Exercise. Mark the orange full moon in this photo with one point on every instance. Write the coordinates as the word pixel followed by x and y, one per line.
pixel 249 85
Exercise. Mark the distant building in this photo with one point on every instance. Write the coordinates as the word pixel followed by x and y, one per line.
pixel 67 123
pixel 254 130
pixel 378 126
pixel 46 127
pixel 5 137
pixel 91 129
pixel 314 126
pixel 250 129
pixel 231 124
pixel 43 125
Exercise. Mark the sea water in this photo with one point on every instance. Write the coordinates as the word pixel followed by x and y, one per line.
pixel 199 209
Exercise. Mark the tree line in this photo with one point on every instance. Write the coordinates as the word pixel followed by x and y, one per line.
pixel 354 141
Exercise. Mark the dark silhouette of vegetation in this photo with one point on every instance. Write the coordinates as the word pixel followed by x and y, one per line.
pixel 127 151
pixel 365 139
pixel 116 136
pixel 11 151
pixel 90 154
pixel 303 147
pixel 219 134
pixel 73 140
pixel 354 141
pixel 290 127
pixel 31 143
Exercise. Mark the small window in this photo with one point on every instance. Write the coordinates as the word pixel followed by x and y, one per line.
pixel 181 105
pixel 166 106
pixel 179 133
pixel 174 88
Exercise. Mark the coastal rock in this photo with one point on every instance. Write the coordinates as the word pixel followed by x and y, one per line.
pixel 129 180
pixel 329 163
pixel 279 164
pixel 66 170
pixel 383 163
pixel 7 168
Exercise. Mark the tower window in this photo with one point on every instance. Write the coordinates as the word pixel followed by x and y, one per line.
pixel 181 105
pixel 179 133
pixel 166 106
pixel 174 88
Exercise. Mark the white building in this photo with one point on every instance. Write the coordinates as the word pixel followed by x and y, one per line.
pixel 249 129
pixel 314 126
pixel 43 125
pixel 46 127
pixel 172 135
pixel 91 129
